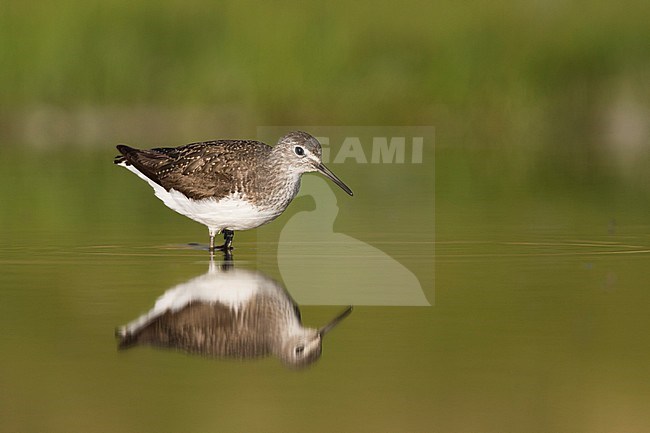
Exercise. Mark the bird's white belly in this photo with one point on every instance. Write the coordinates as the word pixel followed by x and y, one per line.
pixel 232 212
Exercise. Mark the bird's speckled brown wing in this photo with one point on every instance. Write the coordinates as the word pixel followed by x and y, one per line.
pixel 199 170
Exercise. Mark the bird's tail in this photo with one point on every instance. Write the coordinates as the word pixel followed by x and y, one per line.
pixel 124 151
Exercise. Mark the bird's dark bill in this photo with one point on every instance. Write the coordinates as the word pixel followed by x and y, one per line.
pixel 326 171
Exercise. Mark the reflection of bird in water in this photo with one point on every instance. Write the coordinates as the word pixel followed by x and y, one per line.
pixel 358 273
pixel 229 185
pixel 233 313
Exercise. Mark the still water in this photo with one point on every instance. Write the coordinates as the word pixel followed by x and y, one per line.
pixel 524 314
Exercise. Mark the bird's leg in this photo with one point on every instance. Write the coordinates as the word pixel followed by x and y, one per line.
pixel 212 235
pixel 227 240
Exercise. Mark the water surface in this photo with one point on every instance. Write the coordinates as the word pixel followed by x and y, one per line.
pixel 536 317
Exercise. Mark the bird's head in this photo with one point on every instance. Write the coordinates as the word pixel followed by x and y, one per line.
pixel 303 154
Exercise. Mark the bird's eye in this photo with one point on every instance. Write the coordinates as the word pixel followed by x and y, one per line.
pixel 300 349
pixel 299 150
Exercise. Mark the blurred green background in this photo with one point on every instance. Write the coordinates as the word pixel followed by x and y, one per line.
pixel 542 120
pixel 489 66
